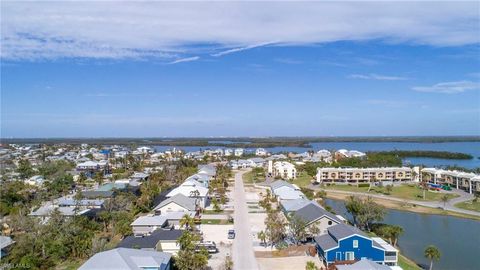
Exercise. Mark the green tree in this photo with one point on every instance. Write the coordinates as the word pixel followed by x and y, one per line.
pixel 25 169
pixel 188 222
pixel 311 266
pixel 433 254
pixel 262 237
pixel 274 227
pixel 187 258
pixel 354 207
pixel 389 189
pixel 297 227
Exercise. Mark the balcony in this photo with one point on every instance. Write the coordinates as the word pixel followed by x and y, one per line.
pixel 391 258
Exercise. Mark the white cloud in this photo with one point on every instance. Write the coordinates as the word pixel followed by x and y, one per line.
pixel 186 59
pixel 378 77
pixel 169 30
pixel 449 87
pixel 234 50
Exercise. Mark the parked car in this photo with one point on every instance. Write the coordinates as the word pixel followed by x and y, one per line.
pixel 210 246
pixel 231 234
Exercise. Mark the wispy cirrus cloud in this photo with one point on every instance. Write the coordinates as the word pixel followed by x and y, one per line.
pixel 186 59
pixel 44 30
pixel 378 77
pixel 449 87
pixel 234 50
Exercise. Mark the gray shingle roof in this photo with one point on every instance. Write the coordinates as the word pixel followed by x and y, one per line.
pixel 342 230
pixel 363 264
pixel 152 240
pixel 325 241
pixel 127 259
pixel 280 183
pixel 180 199
pixel 312 212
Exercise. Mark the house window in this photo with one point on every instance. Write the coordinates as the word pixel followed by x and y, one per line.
pixel 355 243
pixel 349 256
pixel 329 222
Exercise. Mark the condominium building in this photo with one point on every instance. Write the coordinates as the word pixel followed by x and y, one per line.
pixel 469 182
pixel 284 169
pixel 358 175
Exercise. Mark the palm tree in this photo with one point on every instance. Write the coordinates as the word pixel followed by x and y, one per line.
pixel 432 253
pixel 445 198
pixel 187 221
pixel 311 266
pixel 262 237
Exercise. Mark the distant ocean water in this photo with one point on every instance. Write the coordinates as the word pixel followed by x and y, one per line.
pixel 472 148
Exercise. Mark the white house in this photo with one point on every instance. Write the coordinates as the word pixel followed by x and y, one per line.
pixel 194 189
pixel 145 225
pixel 176 203
pixel 239 152
pixel 228 152
pixel 261 152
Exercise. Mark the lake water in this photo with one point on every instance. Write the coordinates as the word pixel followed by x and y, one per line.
pixel 472 148
pixel 457 239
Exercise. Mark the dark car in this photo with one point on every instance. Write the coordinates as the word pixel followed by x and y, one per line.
pixel 231 234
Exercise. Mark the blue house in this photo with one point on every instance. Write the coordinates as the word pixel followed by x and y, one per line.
pixel 346 243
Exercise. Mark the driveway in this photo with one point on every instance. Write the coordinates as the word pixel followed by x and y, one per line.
pixel 243 255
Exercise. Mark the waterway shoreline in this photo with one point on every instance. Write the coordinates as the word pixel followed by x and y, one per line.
pixel 407 207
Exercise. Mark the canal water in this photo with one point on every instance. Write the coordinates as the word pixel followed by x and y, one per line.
pixel 472 148
pixel 458 239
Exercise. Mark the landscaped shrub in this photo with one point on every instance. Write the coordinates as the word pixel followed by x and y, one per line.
pixel 363 185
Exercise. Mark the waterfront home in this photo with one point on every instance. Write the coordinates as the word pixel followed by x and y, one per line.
pixel 145 150
pixel 285 170
pixel 346 243
pixel 364 175
pixel 128 259
pixel 344 153
pixel 294 205
pixel 261 152
pixel 315 215
pixel 324 155
pixel 145 225
pixel 238 152
pixel 176 203
pixel 363 264
pixel 469 182
pixel 228 152
pixel 158 240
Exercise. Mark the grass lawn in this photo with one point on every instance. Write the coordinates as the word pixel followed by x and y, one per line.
pixel 216 221
pixel 407 264
pixel 69 265
pixel 408 192
pixel 302 180
pixel 469 205
pixel 207 212
pixel 251 177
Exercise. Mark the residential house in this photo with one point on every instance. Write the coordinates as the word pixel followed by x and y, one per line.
pixel 128 259
pixel 158 240
pixel 194 189
pixel 239 152
pixel 363 264
pixel 286 191
pixel 346 243
pixel 344 153
pixel 5 244
pixel 261 152
pixel 145 225
pixel 176 203
pixel 228 152
pixel 315 215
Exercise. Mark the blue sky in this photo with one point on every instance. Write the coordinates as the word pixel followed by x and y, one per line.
pixel 187 81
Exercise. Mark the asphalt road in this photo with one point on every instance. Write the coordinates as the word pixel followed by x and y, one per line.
pixel 243 255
